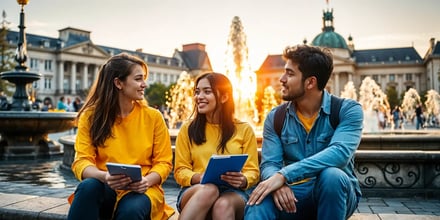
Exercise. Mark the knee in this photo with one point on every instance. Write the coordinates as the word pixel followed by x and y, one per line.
pixel 208 192
pixel 133 206
pixel 90 186
pixel 222 207
pixel 265 210
pixel 332 178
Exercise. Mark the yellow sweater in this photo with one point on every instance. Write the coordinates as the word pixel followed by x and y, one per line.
pixel 191 158
pixel 140 138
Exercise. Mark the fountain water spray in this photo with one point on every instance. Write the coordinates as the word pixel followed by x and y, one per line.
pixel 349 91
pixel 180 100
pixel 409 103
pixel 372 99
pixel 432 105
pixel 238 70
pixel 269 101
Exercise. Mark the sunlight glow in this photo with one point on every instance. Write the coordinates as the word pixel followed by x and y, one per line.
pixel 238 70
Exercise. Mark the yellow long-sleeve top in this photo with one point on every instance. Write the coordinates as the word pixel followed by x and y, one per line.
pixel 191 159
pixel 140 138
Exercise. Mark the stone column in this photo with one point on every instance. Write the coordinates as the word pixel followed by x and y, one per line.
pixel 73 78
pixel 337 87
pixel 416 79
pixel 85 76
pixel 60 78
pixel 95 72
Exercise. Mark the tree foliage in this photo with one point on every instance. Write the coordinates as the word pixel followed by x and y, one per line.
pixel 155 94
pixel 7 60
pixel 393 97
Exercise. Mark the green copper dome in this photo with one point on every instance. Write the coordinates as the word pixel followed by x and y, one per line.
pixel 328 37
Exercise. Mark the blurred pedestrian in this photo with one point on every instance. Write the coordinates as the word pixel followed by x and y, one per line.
pixel 419 116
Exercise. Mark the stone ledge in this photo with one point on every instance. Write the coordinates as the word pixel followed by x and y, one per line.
pixel 32 209
pixel 406 155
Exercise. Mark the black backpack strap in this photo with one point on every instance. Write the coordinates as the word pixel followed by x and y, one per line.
pixel 336 103
pixel 280 116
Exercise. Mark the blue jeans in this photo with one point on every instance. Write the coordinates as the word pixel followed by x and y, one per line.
pixel 329 196
pixel 419 122
pixel 396 123
pixel 96 200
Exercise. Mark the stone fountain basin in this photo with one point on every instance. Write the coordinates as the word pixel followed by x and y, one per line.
pixel 383 140
pixel 426 140
pixel 25 134
pixel 36 122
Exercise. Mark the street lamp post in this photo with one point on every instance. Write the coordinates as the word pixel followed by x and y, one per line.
pixel 21 76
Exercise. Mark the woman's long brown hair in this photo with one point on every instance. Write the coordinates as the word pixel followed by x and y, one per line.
pixel 103 97
pixel 220 85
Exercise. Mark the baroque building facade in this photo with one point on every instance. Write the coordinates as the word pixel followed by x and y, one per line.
pixel 70 63
pixel 399 68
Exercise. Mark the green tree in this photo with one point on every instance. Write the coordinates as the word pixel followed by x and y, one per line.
pixel 7 60
pixel 392 95
pixel 423 96
pixel 155 94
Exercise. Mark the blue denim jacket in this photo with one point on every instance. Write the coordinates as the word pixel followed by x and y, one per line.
pixel 298 155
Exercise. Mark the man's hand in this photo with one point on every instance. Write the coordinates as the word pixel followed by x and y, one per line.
pixel 264 188
pixel 284 199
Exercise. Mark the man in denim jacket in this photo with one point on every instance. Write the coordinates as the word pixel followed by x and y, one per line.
pixel 308 171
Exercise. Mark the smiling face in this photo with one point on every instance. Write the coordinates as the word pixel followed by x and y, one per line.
pixel 134 85
pixel 205 98
pixel 292 82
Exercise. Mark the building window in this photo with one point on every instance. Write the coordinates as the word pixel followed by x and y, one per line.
pixel 35 84
pixel 34 63
pixel 165 78
pixel 66 84
pixel 151 59
pixel 408 77
pixel 392 77
pixel 151 77
pixel 48 65
pixel 376 78
pixel 48 83
pixel 78 84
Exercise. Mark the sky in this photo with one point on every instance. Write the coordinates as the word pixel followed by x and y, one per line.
pixel 161 26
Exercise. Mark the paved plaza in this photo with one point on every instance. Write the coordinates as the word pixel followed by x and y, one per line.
pixel 21 200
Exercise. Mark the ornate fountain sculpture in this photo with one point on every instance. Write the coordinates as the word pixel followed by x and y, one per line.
pixel 24 133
